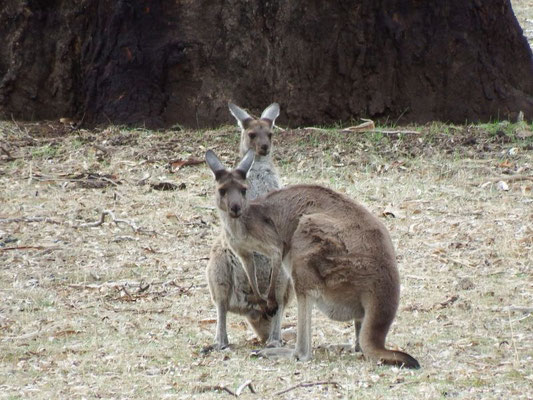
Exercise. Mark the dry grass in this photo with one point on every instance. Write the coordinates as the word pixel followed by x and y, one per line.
pixel 523 10
pixel 116 312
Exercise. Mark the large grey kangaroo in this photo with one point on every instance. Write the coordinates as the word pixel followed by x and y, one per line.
pixel 339 255
pixel 228 283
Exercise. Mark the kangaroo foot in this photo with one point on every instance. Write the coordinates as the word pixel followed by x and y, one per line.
pixel 274 343
pixel 214 347
pixel 274 352
pixel 282 352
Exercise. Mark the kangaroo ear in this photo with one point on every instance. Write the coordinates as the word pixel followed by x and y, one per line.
pixel 214 163
pixel 242 117
pixel 271 113
pixel 246 163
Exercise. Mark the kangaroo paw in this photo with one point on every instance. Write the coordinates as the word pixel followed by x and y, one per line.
pixel 271 307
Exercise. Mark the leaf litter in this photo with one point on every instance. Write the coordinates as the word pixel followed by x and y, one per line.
pixel 124 299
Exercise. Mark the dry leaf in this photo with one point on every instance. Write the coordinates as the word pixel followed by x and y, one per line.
pixel 207 321
pixel 505 164
pixel 392 212
pixel 178 164
pixel 66 332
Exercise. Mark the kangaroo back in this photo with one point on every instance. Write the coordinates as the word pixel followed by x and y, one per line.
pixel 339 255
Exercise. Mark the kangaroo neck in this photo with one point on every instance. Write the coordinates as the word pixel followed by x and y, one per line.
pixel 234 227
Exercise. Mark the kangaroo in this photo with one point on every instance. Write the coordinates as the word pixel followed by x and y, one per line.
pixel 228 283
pixel 340 257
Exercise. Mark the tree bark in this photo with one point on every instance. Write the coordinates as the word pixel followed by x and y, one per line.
pixel 161 63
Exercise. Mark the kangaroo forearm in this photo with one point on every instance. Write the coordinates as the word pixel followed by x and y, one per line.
pixel 276 265
pixel 247 261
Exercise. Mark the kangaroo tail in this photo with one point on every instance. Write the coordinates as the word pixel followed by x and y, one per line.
pixel 392 357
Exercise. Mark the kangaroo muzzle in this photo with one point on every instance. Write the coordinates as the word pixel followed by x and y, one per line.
pixel 235 211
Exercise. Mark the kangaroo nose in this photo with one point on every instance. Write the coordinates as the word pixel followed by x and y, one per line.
pixel 264 148
pixel 235 208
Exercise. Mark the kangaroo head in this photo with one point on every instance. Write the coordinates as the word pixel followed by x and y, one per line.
pixel 231 184
pixel 256 134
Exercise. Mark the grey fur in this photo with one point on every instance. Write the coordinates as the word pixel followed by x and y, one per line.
pixel 228 283
pixel 340 257
pixel 246 163
pixel 271 112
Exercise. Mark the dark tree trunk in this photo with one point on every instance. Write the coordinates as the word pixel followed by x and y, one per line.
pixel 160 63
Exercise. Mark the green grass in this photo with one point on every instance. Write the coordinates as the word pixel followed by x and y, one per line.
pixel 46 152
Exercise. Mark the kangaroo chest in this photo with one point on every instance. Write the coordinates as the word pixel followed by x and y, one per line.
pixel 262 178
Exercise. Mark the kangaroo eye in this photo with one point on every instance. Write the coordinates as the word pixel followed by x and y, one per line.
pixel 252 135
pixel 243 192
pixel 222 192
pixel 270 135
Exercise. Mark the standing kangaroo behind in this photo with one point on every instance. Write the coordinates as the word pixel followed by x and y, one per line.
pixel 228 283
pixel 339 255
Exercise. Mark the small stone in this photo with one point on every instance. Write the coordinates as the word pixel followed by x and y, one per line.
pixel 501 185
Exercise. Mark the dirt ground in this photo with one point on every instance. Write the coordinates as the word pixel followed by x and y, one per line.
pixel 120 308
pixel 523 10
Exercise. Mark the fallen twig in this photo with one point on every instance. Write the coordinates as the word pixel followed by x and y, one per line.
pixel 23 248
pixel 91 178
pixel 312 128
pixel 398 132
pixel 516 362
pixel 138 310
pixel 30 335
pixel 111 181
pixel 447 260
pixel 213 388
pixel 247 384
pixel 309 384
pixel 415 277
pixel 142 286
pixel 103 285
pixel 117 221
pixel 519 309
pixel 367 126
pixel 97 223
pixel 29 219
pixel 447 302
pixel 509 178
pixel 126 292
